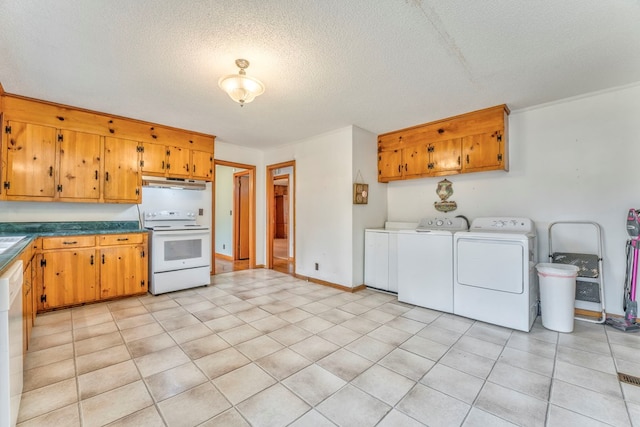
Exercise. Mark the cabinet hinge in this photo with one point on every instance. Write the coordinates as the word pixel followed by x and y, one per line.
pixel 142 254
pixel 7 129
pixel 7 185
pixel 430 166
pixel 140 149
pixel 499 157
pixel 499 137
pixel 43 262
pixel 141 163
pixel 43 298
pixel 168 152
pixel 430 149
pixel 59 188
pixel 60 137
pixel 137 191
pixel 142 283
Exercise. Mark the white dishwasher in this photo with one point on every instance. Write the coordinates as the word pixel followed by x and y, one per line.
pixel 425 263
pixel 11 345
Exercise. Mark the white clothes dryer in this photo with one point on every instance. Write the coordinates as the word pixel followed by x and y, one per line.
pixel 494 272
pixel 425 263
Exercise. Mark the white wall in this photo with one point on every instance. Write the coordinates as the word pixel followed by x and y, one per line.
pixel 373 214
pixel 323 204
pixel 572 160
pixel 54 212
pixel 224 205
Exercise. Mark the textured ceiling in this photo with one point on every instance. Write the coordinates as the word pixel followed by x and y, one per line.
pixel 377 64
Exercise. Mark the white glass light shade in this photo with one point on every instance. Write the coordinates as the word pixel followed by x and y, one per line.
pixel 241 88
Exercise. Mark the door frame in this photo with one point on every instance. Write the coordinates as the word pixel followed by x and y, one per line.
pixel 252 211
pixel 236 208
pixel 271 215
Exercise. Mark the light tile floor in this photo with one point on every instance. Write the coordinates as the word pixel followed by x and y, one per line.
pixel 261 348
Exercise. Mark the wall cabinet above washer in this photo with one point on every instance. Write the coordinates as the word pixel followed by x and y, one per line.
pixel 471 142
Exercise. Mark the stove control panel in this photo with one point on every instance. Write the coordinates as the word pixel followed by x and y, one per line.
pixel 170 215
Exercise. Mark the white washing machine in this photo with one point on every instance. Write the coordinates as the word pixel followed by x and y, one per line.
pixel 425 263
pixel 494 272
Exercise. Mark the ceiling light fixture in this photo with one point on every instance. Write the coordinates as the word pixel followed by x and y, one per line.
pixel 240 87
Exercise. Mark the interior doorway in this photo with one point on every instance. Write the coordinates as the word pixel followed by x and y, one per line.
pixel 241 216
pixel 234 217
pixel 281 217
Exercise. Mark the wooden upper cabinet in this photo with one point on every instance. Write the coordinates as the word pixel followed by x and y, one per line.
pixel 483 151
pixel 79 166
pixel 470 142
pixel 122 178
pixel 445 156
pixel 178 162
pixel 390 164
pixel 201 165
pixel 154 159
pixel 30 160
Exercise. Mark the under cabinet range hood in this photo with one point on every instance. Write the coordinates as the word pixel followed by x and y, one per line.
pixel 173 183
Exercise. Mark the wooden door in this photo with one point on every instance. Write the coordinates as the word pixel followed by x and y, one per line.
pixel 122 179
pixel 154 159
pixel 389 164
pixel 445 156
pixel 79 166
pixel 178 162
pixel 482 151
pixel 31 160
pixel 121 271
pixel 201 165
pixel 68 278
pixel 241 219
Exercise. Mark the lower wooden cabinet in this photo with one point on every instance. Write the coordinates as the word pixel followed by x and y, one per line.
pixel 74 270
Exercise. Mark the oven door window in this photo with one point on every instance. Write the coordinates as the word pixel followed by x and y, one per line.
pixel 178 250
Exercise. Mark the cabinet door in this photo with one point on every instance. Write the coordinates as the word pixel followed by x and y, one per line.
pixel 122 271
pixel 445 156
pixel 178 162
pixel 31 159
pixel 79 170
pixel 201 165
pixel 482 151
pixel 154 159
pixel 416 160
pixel 68 278
pixel 122 178
pixel 389 165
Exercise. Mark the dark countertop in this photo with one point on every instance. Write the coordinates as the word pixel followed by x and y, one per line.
pixel 33 230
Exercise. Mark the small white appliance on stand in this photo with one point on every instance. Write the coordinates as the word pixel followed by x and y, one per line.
pixel 381 255
pixel 425 263
pixel 180 251
pixel 494 272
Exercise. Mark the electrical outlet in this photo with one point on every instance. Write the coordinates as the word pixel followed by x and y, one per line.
pixel 317 267
pixel 200 211
pixel 224 246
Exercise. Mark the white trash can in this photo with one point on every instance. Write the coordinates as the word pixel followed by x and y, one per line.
pixel 557 295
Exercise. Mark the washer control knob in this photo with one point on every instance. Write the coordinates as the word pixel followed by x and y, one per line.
pixel 439 222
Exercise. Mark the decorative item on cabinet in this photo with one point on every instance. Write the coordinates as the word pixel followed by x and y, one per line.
pixel 471 142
